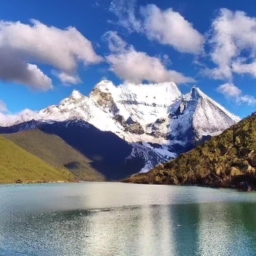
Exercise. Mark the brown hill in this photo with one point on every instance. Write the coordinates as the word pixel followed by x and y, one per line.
pixel 57 153
pixel 20 166
pixel 227 160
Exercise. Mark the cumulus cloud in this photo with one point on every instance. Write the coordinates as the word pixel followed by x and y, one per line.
pixel 233 41
pixel 25 46
pixel 165 26
pixel 14 69
pixel 232 92
pixel 242 68
pixel 229 90
pixel 115 42
pixel 68 79
pixel 170 28
pixel 136 67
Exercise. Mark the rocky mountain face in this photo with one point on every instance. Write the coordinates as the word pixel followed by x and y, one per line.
pixel 227 160
pixel 157 121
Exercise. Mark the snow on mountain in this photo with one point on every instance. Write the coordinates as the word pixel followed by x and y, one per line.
pixel 196 116
pixel 156 119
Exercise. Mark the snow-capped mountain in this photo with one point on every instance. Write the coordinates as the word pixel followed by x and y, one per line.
pixel 127 110
pixel 196 117
pixel 153 118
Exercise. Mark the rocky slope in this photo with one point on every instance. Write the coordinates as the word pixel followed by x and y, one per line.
pixel 227 160
pixel 155 119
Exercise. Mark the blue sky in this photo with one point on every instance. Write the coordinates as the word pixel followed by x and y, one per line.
pixel 49 48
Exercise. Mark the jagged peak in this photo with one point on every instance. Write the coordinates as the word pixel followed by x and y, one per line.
pixel 197 93
pixel 197 96
pixel 105 85
pixel 76 95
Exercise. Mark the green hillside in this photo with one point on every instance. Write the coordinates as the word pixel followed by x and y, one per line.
pixel 227 160
pixel 19 166
pixel 57 153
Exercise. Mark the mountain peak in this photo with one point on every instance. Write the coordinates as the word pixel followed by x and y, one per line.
pixel 196 93
pixel 105 86
pixel 76 95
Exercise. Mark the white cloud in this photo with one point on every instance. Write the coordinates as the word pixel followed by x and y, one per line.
pixel 6 119
pixel 233 42
pixel 23 44
pixel 136 67
pixel 242 68
pixel 68 79
pixel 165 26
pixel 11 119
pixel 14 69
pixel 229 90
pixel 115 42
pixel 232 92
pixel 125 12
pixel 170 28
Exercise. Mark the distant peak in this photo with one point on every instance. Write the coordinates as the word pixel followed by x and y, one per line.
pixel 76 95
pixel 105 81
pixel 105 85
pixel 196 93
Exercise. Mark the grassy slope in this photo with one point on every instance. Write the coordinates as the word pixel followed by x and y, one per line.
pixel 17 164
pixel 56 152
pixel 224 161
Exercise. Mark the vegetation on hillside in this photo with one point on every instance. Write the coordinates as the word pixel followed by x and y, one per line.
pixel 57 153
pixel 20 166
pixel 227 160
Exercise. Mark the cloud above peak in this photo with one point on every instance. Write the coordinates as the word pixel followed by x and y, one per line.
pixel 125 12
pixel 232 92
pixel 68 79
pixel 171 28
pixel 136 67
pixel 24 47
pixel 167 27
pixel 233 45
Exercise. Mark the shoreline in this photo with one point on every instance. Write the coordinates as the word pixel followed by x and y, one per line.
pixel 132 183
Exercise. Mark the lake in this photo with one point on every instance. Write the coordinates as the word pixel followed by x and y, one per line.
pixel 112 219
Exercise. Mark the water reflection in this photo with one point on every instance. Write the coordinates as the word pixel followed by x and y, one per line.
pixel 96 220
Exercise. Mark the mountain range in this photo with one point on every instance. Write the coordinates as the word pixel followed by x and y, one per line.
pixel 130 128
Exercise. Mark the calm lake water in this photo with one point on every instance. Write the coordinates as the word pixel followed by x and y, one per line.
pixel 109 219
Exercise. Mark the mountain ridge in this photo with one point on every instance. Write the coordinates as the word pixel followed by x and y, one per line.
pixel 154 116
